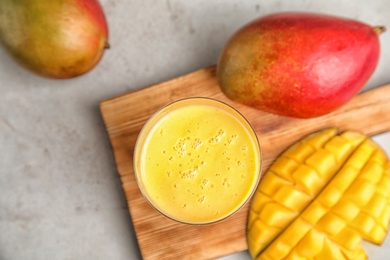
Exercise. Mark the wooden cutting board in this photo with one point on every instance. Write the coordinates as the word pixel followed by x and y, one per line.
pixel 162 238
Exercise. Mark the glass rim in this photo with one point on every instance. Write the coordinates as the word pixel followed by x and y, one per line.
pixel 149 124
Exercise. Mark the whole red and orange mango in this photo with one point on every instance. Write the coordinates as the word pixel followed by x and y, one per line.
pixel 55 39
pixel 298 64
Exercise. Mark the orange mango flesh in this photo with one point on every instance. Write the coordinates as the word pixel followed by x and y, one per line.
pixel 320 198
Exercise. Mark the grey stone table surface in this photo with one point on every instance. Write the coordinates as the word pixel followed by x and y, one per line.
pixel 60 195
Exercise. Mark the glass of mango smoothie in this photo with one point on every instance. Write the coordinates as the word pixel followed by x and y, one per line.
pixel 197 160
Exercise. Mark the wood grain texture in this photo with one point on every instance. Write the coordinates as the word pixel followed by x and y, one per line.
pixel 162 238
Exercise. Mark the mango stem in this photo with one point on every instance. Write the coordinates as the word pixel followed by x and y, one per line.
pixel 379 29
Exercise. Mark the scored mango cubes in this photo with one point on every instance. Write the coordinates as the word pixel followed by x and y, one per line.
pixel 321 198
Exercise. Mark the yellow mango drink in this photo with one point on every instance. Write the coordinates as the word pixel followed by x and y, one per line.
pixel 197 161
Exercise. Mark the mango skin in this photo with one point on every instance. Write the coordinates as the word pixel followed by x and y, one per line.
pixel 298 64
pixel 55 39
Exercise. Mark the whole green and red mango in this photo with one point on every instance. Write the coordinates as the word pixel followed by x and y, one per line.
pixel 298 64
pixel 56 39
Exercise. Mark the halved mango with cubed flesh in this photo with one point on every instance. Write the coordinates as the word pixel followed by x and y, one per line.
pixel 321 198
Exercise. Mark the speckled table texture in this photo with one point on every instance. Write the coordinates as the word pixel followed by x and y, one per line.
pixel 60 194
